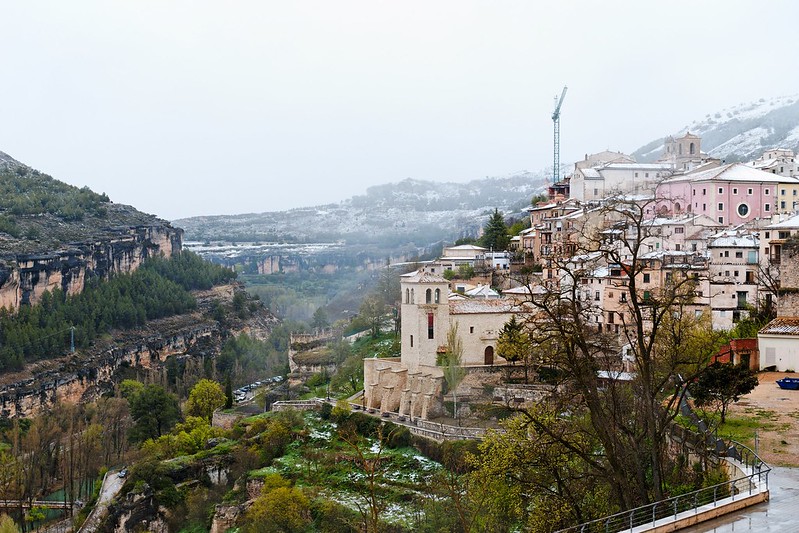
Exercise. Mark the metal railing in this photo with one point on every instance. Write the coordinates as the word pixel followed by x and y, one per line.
pixel 425 428
pixel 672 509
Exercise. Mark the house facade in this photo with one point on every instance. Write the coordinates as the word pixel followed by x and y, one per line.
pixel 731 194
pixel 778 341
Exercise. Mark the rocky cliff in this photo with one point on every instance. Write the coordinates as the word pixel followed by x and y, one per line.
pixel 25 277
pixel 86 376
pixel 54 235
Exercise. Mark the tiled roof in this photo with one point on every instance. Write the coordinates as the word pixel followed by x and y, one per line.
pixel 732 172
pixel 420 276
pixel 791 223
pixel 471 306
pixel 782 326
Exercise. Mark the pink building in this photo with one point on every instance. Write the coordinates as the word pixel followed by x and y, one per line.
pixel 729 194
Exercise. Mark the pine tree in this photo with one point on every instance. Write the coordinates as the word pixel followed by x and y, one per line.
pixel 495 234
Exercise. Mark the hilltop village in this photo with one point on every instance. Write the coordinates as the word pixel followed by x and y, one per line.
pixel 618 241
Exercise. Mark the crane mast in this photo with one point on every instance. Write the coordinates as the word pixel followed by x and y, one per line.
pixel 556 123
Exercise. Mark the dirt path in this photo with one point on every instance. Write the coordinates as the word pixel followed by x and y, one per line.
pixel 776 412
pixel 112 484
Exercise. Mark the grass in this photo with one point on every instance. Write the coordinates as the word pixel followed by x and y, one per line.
pixel 321 462
pixel 740 428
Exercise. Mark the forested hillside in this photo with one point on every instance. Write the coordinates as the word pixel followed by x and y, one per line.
pixel 41 214
pixel 158 289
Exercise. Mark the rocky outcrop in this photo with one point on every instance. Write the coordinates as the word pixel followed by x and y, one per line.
pixel 226 516
pixel 78 380
pixel 25 277
pixel 84 377
pixel 137 511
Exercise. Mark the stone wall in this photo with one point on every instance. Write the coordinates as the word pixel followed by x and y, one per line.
pixel 390 387
pixel 225 420
pixel 788 301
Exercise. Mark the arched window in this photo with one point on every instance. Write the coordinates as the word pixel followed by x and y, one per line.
pixel 407 296
pixel 680 149
pixel 438 296
pixel 677 207
pixel 430 324
pixel 412 298
pixel 428 296
pixel 692 149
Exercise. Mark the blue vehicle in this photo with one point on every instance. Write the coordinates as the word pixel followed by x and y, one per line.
pixel 788 383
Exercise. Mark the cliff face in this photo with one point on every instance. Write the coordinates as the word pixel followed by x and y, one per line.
pixel 84 377
pixel 25 277
pixel 84 380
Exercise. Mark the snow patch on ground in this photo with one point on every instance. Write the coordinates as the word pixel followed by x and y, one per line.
pixel 746 142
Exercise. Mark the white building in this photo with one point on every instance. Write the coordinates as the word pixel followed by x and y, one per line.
pixel 733 272
pixel 412 384
pixel 597 183
pixel 781 161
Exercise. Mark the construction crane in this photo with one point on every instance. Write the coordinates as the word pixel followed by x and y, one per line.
pixel 556 122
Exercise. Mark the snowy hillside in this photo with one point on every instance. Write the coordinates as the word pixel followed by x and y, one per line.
pixel 410 211
pixel 742 132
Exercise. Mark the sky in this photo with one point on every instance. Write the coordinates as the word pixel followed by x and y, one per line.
pixel 185 108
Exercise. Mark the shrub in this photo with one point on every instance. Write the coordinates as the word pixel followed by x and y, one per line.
pixel 341 412
pixel 325 411
pixel 398 436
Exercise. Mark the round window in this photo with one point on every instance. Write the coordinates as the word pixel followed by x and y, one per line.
pixel 743 210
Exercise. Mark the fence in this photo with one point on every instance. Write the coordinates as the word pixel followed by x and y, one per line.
pixel 708 501
pixel 426 428
pixel 299 405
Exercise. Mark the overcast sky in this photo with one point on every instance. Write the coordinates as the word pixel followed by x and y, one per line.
pixel 193 107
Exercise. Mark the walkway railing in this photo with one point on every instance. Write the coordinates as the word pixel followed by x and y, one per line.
pixel 426 428
pixel 657 514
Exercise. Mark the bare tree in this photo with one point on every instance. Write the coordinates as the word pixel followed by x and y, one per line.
pixel 452 365
pixel 370 460
pixel 630 418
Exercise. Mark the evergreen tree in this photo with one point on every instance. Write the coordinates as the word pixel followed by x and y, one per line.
pixel 723 384
pixel 228 392
pixel 495 233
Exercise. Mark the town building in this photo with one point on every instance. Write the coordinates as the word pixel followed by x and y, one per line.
pixel 597 183
pixel 683 153
pixel 730 194
pixel 733 270
pixel 781 161
pixel 411 385
pixel 778 341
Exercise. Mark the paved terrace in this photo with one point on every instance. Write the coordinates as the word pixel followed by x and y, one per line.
pixel 780 513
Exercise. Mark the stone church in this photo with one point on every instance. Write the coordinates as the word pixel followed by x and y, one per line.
pixel 412 384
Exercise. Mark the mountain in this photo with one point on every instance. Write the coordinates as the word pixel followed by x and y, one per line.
pixel 56 235
pixel 742 132
pixel 410 211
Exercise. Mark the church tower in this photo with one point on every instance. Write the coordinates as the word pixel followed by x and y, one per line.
pixel 424 318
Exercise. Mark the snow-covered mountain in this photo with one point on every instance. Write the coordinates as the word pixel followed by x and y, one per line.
pixel 410 211
pixel 421 212
pixel 742 132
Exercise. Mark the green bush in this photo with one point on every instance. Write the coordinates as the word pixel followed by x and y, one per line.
pixel 325 411
pixel 398 436
pixel 317 380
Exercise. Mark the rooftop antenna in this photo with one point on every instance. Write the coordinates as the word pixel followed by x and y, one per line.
pixel 556 123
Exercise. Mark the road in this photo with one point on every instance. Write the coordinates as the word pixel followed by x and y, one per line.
pixel 112 484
